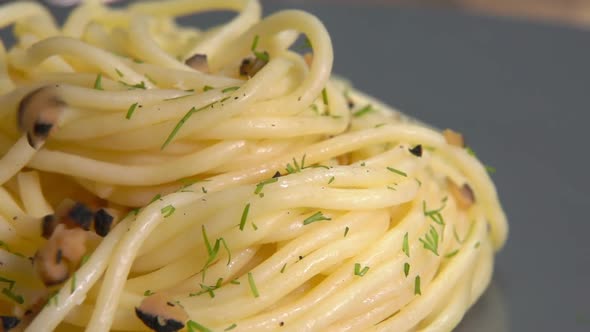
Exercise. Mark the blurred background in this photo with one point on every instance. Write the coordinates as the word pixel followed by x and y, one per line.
pixel 569 12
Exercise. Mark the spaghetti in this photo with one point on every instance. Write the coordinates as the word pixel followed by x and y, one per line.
pixel 165 177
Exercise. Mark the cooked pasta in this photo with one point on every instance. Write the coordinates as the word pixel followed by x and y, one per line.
pixel 168 177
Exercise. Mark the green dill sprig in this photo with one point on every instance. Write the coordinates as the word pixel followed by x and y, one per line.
pixel 207 88
pixel 168 210
pixel 283 268
pixel 406 269
pixel 331 180
pixel 98 82
pixel 430 240
pixel 148 293
pixel 405 245
pixel 140 85
pixel 208 289
pixel 231 327
pixel 435 214
pixel 193 326
pixel 252 284
pixel 263 56
pixel 346 231
pixel 397 171
pixel 73 283
pixel 9 291
pixel 244 216
pixel 325 96
pixel 230 89
pixel 457 235
pixel 131 110
pixel 119 72
pixel 213 250
pixel 360 272
pixel 261 185
pixel 417 290
pixel 180 123
pixel 452 253
pixel 318 216
pixel 155 198
pixel 368 108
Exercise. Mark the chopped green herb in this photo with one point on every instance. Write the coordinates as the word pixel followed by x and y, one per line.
pixel 331 180
pixel 452 253
pixel 148 293
pixel 188 114
pixel 73 284
pixel 325 96
pixel 119 72
pixel 417 290
pixel 391 188
pixel 318 216
pixel 168 210
pixel 252 285
pixel 430 240
pixel 406 269
pixel 212 251
pixel 435 215
pixel 98 82
pixel 140 85
pixel 235 282
pixel 261 185
pixel 131 110
pixel 8 291
pixel 193 326
pixel 358 271
pixel 406 246
pixel 244 216
pixel 397 171
pixel 254 226
pixel 368 108
pixel 470 151
pixel 179 97
pixel 346 231
pixel 230 89
pixel 379 125
pixel 490 169
pixel 84 259
pixel 263 56
pixel 476 245
pixel 155 198
pixel 203 190
pixel 137 61
pixel 363 164
pixel 207 88
pixel 7 248
pixel 283 268
pixel 208 289
pixel 419 182
pixel 231 327
pixel 52 298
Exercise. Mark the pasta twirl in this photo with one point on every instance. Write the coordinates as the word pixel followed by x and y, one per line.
pixel 169 177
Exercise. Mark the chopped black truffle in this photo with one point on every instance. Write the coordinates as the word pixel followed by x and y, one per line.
pixel 81 215
pixel 160 314
pixel 9 322
pixel 198 62
pixel 102 222
pixel 251 66
pixel 38 113
pixel 417 150
pixel 48 224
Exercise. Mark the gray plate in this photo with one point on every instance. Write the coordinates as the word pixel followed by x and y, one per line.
pixel 519 92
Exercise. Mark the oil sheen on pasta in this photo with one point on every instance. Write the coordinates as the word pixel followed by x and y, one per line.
pixel 244 185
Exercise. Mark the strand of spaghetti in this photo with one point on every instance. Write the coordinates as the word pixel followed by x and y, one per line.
pixel 113 173
pixel 32 195
pixel 105 61
pixel 144 48
pixel 17 11
pixel 123 256
pixel 216 41
pixel 86 276
pixel 16 158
